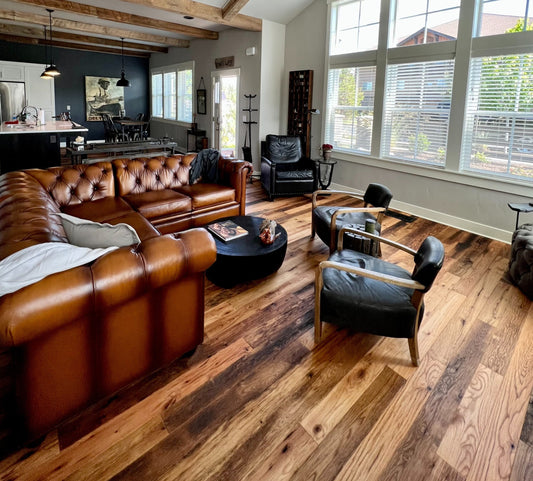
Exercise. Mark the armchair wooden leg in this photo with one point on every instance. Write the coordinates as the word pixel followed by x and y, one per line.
pixel 413 349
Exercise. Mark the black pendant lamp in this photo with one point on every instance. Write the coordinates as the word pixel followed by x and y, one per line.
pixel 123 81
pixel 51 70
pixel 44 74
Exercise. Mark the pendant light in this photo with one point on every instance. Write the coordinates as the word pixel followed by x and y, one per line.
pixel 51 70
pixel 123 81
pixel 44 74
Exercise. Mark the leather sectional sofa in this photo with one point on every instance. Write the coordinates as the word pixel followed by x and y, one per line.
pixel 79 335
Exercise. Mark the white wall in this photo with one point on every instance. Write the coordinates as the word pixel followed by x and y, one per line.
pixel 471 203
pixel 230 43
pixel 272 77
pixel 305 50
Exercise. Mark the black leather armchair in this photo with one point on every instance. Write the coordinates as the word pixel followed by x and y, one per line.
pixel 284 169
pixel 367 294
pixel 327 220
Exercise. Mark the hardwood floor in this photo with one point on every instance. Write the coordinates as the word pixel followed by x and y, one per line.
pixel 260 401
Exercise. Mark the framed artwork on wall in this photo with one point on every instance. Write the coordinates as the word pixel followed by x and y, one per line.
pixel 102 96
pixel 200 101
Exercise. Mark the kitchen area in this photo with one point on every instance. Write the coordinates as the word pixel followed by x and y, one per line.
pixel 30 132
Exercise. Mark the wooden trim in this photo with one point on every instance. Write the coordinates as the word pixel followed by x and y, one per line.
pixel 123 17
pixel 203 11
pixel 232 8
pixel 91 28
pixel 30 32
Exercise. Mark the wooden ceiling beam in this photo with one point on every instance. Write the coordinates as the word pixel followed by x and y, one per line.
pixel 74 46
pixel 122 17
pixel 232 8
pixel 91 28
pixel 203 11
pixel 24 31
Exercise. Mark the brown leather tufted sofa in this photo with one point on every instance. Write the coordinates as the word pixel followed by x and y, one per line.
pixel 79 335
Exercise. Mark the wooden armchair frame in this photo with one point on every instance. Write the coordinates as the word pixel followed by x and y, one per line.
pixel 379 212
pixel 418 289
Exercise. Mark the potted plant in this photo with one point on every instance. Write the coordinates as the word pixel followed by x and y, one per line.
pixel 326 151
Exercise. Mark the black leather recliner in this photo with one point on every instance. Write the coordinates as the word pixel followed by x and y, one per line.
pixel 284 168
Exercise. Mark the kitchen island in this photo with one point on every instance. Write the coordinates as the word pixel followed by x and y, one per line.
pixel 26 146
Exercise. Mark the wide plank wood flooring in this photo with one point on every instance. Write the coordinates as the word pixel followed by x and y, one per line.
pixel 260 401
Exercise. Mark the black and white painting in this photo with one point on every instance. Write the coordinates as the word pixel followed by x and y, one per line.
pixel 102 96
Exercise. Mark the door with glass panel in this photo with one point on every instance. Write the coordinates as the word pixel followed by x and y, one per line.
pixel 225 85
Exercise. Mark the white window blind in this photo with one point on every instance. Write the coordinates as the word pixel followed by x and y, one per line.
pixel 185 95
pixel 350 108
pixel 417 111
pixel 169 95
pixel 157 95
pixel 498 133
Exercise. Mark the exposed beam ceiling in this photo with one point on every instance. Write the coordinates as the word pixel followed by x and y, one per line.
pixel 122 17
pixel 37 33
pixel 112 32
pixel 232 8
pixel 203 11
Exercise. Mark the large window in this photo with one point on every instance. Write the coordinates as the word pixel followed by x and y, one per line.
pixel 417 111
pixel 351 108
pixel 448 86
pixel 354 26
pixel 498 134
pixel 172 92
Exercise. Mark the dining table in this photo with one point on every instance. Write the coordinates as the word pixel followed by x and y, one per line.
pixel 128 123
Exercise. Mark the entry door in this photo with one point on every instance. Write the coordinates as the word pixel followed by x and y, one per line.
pixel 225 111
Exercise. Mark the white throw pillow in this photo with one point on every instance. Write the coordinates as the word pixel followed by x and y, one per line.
pixel 86 233
pixel 36 262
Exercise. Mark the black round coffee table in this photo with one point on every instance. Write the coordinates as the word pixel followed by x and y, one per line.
pixel 246 258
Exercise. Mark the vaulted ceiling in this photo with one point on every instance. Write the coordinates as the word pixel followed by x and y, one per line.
pixel 145 25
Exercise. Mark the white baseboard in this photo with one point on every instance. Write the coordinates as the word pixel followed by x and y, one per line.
pixel 443 218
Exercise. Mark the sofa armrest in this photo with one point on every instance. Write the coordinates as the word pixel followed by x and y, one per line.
pixel 111 280
pixel 234 173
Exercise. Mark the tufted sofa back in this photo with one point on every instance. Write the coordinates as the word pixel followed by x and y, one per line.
pixel 27 214
pixel 135 176
pixel 77 183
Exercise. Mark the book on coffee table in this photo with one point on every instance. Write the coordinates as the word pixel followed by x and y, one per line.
pixel 227 230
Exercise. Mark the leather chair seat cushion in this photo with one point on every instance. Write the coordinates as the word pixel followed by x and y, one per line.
pixel 159 203
pixel 521 262
pixel 205 195
pixel 306 174
pixel 100 210
pixel 367 305
pixel 144 229
pixel 322 218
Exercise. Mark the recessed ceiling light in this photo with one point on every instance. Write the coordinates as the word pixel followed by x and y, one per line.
pixel 188 17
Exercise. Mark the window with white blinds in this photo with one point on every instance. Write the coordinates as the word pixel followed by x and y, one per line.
pixel 172 92
pixel 498 133
pixel 350 108
pixel 185 95
pixel 417 111
pixel 157 95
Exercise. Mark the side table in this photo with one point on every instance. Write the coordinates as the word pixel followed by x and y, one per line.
pixel 325 172
pixel 518 208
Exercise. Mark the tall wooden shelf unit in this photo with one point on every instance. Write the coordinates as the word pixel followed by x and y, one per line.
pixel 300 101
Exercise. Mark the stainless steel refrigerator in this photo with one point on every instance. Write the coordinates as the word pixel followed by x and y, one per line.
pixel 12 99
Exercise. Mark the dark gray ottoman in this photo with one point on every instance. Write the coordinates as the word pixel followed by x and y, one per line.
pixel 521 263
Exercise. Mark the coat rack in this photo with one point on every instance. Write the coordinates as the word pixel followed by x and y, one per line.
pixel 247 151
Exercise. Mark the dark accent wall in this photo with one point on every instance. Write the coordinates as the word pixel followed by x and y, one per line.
pixel 74 65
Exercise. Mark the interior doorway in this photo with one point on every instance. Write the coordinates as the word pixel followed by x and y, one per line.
pixel 225 111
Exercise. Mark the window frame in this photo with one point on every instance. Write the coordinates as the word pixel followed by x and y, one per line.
pixel 178 100
pixel 465 47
